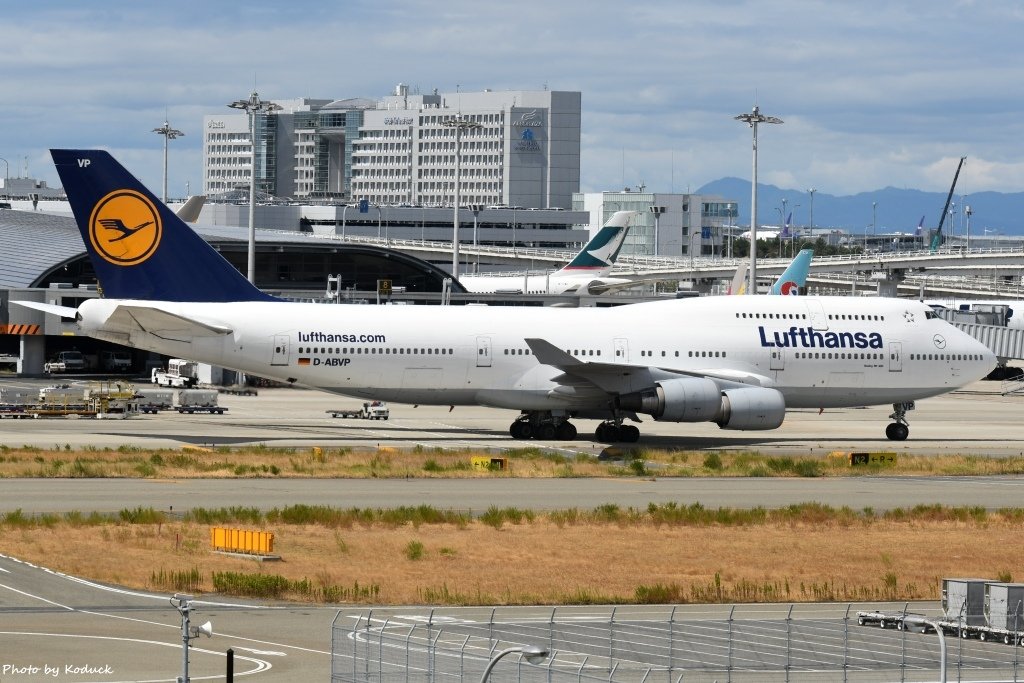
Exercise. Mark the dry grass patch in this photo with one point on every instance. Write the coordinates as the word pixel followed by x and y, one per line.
pixel 421 462
pixel 545 560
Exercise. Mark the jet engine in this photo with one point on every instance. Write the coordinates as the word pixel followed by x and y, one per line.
pixel 751 408
pixel 696 399
pixel 690 399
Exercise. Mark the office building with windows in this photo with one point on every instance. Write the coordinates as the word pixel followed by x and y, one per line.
pixel 523 152
pixel 686 224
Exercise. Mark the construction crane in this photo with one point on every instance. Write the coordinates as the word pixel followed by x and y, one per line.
pixel 937 235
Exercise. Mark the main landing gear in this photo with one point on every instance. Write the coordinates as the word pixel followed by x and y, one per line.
pixel 543 426
pixel 613 431
pixel 899 430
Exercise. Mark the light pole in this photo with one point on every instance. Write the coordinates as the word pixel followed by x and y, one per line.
pixel 532 653
pixel 752 119
pixel 460 124
pixel 657 211
pixel 810 219
pixel 183 603
pixel 917 620
pixel 874 207
pixel 7 171
pixel 169 134
pixel 253 106
pixel 968 212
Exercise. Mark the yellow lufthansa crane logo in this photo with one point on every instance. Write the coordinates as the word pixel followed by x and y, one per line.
pixel 125 228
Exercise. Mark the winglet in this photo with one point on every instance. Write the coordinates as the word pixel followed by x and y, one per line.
pixel 151 254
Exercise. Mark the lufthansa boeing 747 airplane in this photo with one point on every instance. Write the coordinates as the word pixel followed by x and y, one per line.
pixel 737 361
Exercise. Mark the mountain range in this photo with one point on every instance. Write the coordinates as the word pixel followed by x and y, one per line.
pixel 896 210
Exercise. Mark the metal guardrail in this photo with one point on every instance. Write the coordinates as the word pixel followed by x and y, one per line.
pixel 705 643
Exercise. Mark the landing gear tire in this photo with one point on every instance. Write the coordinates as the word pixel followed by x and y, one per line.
pixel 607 432
pixel 546 432
pixel 520 429
pixel 897 432
pixel 629 434
pixel 565 431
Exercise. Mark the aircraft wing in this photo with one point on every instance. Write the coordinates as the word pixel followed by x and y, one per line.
pixel 621 378
pixel 161 323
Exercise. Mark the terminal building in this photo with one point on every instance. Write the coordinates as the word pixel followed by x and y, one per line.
pixel 521 150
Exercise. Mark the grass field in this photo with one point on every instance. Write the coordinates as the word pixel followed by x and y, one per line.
pixel 663 554
pixel 608 555
pixel 65 462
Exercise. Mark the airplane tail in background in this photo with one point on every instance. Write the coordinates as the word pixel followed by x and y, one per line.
pixel 739 280
pixel 599 254
pixel 140 248
pixel 794 278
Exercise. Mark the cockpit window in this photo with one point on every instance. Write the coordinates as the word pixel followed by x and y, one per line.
pixel 930 315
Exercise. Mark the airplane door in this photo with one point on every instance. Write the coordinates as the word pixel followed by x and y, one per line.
pixel 778 359
pixel 895 356
pixel 483 352
pixel 621 350
pixel 280 346
pixel 816 315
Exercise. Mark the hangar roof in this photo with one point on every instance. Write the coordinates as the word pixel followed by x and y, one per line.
pixel 33 245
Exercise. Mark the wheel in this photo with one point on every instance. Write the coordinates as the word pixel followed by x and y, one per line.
pixel 899 626
pixel 607 433
pixel 964 634
pixel 629 433
pixel 860 621
pixel 897 432
pixel 881 623
pixel 983 636
pixel 1006 639
pixel 546 432
pixel 517 430
pixel 566 431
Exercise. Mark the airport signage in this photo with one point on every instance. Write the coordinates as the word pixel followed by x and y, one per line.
pixel 530 119
pixel 398 121
pixel 215 124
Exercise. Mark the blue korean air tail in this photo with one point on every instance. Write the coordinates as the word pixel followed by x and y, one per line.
pixel 794 278
pixel 139 248
pixel 599 254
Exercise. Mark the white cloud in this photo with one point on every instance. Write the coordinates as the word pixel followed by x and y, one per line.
pixel 872 94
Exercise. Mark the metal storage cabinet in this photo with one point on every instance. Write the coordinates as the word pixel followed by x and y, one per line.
pixel 1004 605
pixel 966 598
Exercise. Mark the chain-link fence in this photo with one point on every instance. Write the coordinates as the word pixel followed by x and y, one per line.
pixel 648 644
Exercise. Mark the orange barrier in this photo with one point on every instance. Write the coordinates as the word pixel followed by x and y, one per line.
pixel 242 541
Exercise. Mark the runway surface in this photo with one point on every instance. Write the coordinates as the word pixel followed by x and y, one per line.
pixel 53 626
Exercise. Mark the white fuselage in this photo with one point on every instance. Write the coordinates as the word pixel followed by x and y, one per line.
pixel 558 282
pixel 817 351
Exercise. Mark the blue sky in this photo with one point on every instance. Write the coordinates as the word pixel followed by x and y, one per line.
pixel 873 94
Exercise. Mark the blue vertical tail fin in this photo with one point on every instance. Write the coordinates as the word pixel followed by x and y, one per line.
pixel 140 248
pixel 794 278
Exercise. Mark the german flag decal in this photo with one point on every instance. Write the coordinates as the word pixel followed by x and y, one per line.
pixel 303 361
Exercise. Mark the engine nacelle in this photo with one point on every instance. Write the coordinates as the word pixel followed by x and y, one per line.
pixel 752 408
pixel 690 399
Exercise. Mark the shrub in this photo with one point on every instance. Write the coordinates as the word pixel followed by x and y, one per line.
pixel 414 550
pixel 713 461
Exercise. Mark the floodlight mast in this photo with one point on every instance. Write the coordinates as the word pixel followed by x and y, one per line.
pixel 252 106
pixel 460 124
pixel 169 134
pixel 752 119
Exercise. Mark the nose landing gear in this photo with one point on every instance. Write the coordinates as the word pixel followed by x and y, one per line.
pixel 899 430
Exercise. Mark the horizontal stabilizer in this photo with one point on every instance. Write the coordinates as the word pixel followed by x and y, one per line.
pixel 62 311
